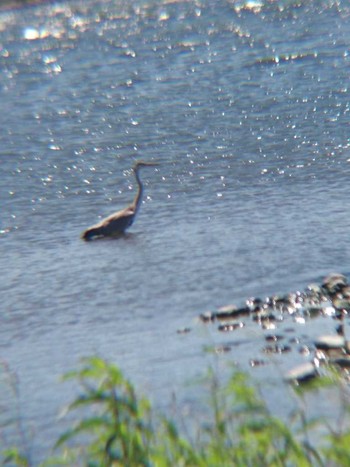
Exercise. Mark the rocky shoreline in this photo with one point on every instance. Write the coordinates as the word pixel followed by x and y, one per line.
pixel 330 299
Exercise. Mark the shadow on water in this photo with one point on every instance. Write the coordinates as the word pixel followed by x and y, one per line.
pixel 125 236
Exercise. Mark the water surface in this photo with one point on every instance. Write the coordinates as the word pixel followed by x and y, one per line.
pixel 246 107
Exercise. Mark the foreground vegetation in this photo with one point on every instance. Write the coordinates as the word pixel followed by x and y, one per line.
pixel 118 428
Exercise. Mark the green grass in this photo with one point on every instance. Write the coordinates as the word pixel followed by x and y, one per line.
pixel 116 427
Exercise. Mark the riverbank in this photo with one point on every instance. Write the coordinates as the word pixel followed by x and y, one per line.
pixel 286 324
pixel 114 426
pixel 238 425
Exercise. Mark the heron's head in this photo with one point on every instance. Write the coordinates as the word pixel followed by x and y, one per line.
pixel 140 164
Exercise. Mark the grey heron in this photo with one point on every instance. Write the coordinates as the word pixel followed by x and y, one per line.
pixel 116 224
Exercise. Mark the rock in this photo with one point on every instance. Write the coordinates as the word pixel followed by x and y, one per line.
pixel 299 319
pixel 334 283
pixel 312 311
pixel 343 362
pixel 302 373
pixel 304 350
pixel 229 312
pixel 230 327
pixel 227 309
pixel 222 349
pixel 342 304
pixel 278 349
pixel 285 304
pixel 264 316
pixel 330 342
pixel 273 337
pixel 346 292
pixel 268 325
pixel 207 316
pixel 314 289
pixel 255 304
pixel 254 362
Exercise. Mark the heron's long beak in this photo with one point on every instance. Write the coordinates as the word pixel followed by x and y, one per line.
pixel 143 164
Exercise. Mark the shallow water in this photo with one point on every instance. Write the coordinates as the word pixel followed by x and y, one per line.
pixel 246 107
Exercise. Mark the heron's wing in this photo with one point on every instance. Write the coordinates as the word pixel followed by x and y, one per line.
pixel 117 222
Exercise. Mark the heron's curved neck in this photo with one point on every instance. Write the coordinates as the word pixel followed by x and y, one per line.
pixel 138 197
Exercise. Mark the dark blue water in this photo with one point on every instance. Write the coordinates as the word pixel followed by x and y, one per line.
pixel 245 105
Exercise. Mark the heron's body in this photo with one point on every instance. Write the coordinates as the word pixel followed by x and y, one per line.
pixel 116 224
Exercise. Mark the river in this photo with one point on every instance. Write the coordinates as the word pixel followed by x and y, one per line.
pixel 244 105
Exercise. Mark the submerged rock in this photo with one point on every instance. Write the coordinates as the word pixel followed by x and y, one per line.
pixel 313 311
pixel 207 316
pixel 256 362
pixel 222 349
pixel 273 337
pixel 276 349
pixel 230 326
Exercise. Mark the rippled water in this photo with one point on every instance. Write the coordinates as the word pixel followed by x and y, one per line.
pixel 246 107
